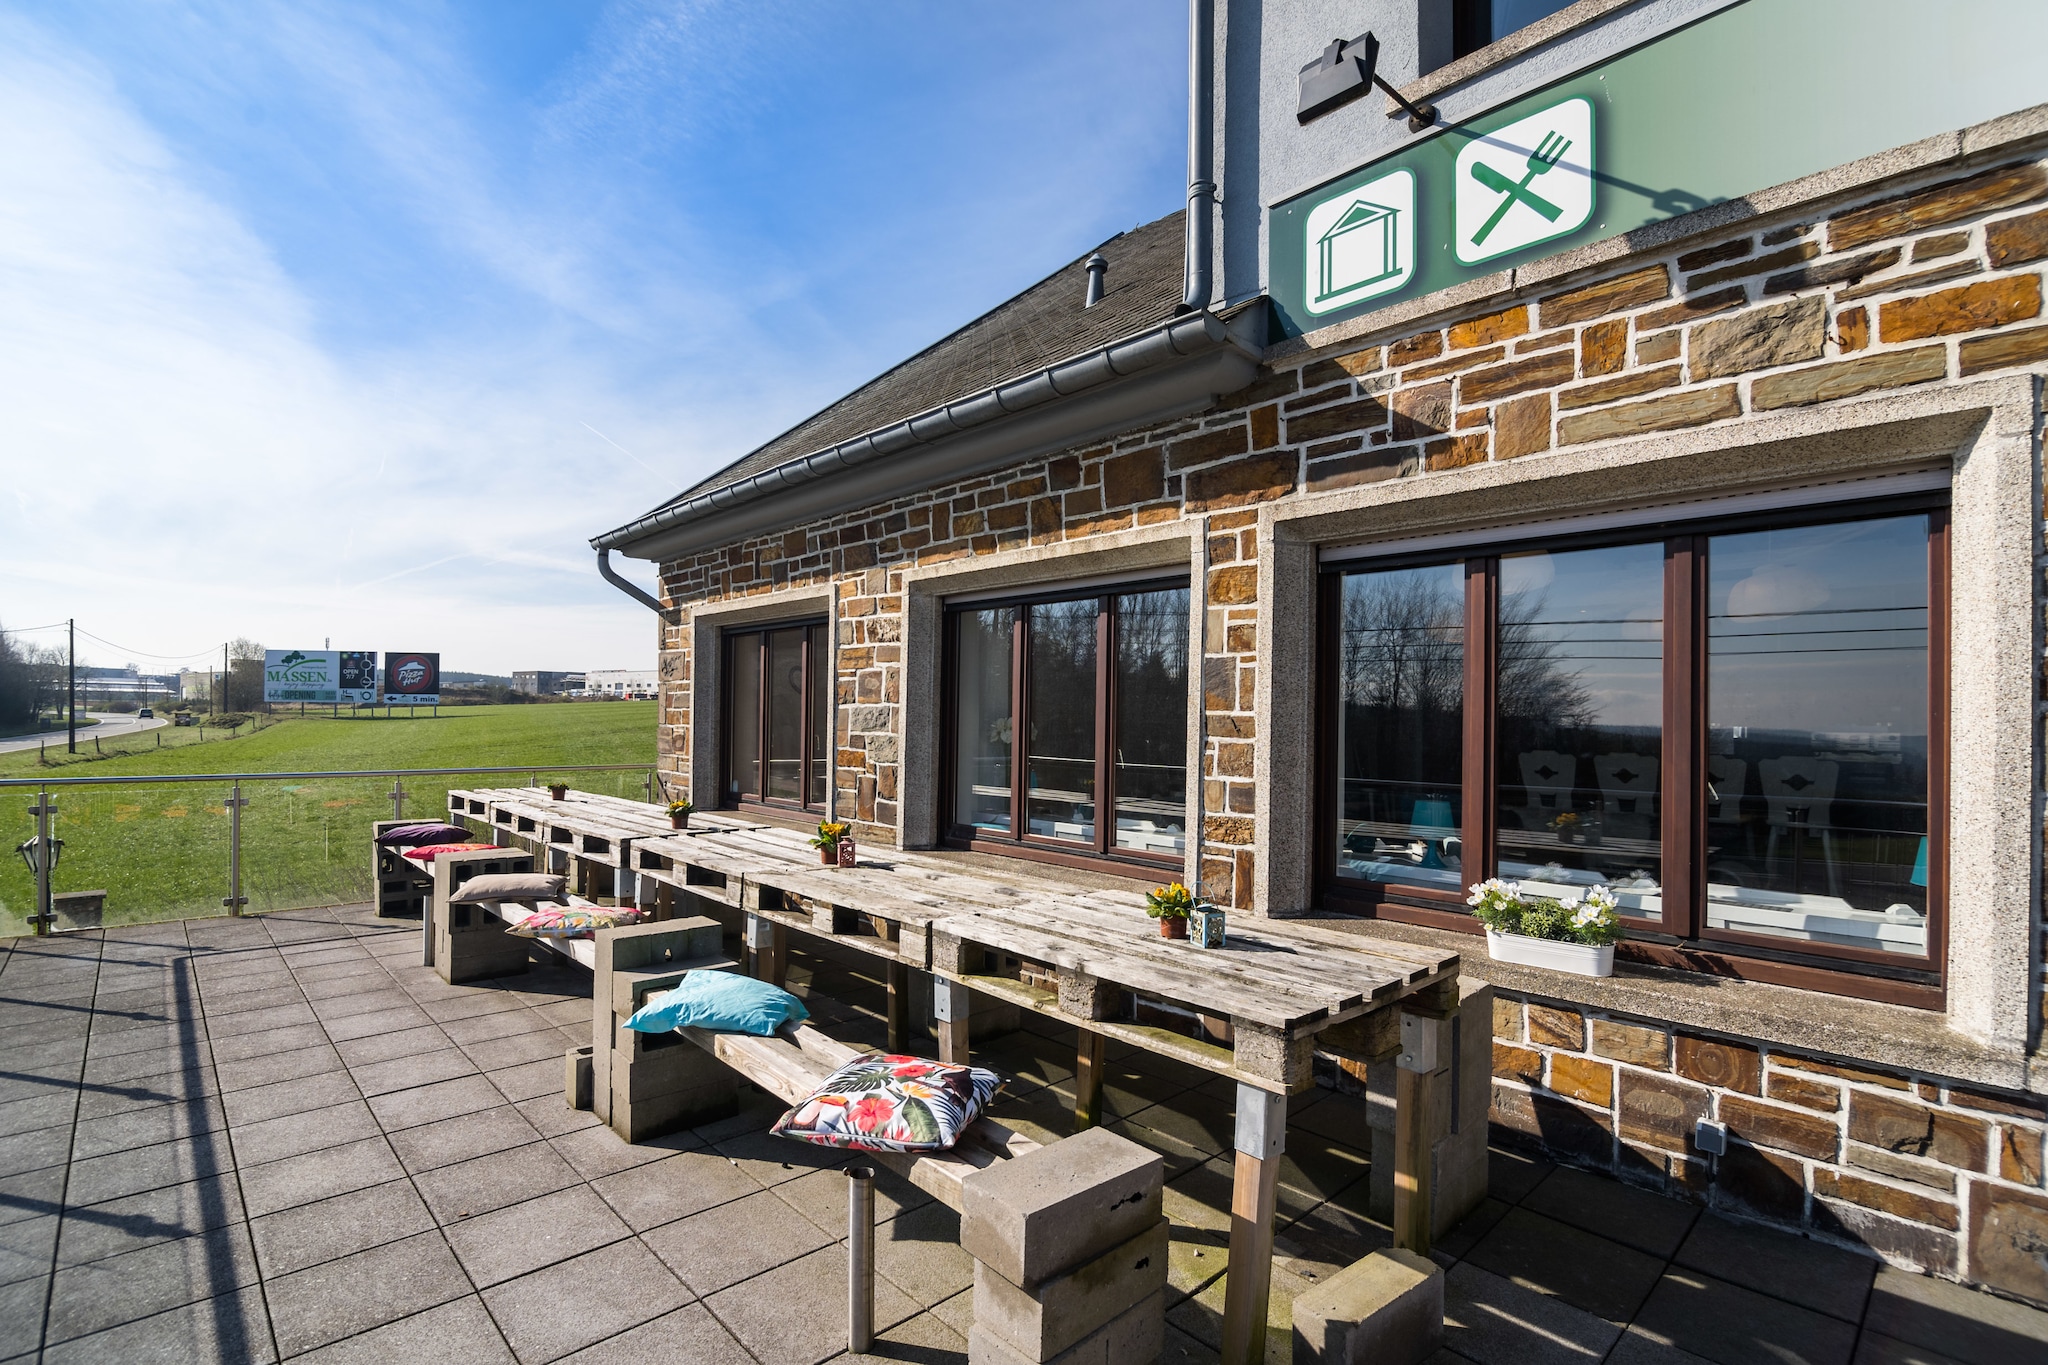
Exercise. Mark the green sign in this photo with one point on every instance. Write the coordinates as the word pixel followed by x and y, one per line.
pixel 1752 96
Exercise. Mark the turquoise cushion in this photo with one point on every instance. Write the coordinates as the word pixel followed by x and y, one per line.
pixel 725 1001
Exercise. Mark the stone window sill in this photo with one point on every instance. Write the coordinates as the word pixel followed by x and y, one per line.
pixel 1883 1037
pixel 1473 65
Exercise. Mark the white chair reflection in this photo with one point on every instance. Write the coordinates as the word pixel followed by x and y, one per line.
pixel 1548 778
pixel 1799 799
pixel 1628 794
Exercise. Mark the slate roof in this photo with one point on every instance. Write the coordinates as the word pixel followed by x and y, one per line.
pixel 1045 324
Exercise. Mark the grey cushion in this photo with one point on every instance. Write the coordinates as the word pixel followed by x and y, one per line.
pixel 510 886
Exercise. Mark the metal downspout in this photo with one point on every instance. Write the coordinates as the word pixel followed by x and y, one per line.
pixel 1201 155
pixel 632 590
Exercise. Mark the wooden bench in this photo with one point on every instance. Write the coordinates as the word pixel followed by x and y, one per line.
pixel 467 941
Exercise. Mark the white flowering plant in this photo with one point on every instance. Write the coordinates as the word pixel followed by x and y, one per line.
pixel 1590 919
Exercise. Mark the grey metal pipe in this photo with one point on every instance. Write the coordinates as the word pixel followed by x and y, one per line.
pixel 632 590
pixel 1201 155
pixel 161 778
pixel 860 1258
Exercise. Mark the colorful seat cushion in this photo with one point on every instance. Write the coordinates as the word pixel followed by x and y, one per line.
pixel 572 921
pixel 424 832
pixel 510 886
pixel 425 856
pixel 892 1104
pixel 725 1001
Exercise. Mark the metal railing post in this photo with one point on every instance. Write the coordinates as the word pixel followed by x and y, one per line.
pixel 860 1258
pixel 398 798
pixel 235 900
pixel 45 915
pixel 649 787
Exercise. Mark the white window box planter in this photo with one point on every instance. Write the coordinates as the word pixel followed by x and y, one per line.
pixel 1578 958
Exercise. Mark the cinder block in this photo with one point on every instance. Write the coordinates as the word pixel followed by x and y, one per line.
pixel 577 1077
pixel 1049 1210
pixel 1068 1307
pixel 1387 1309
pixel 1135 1336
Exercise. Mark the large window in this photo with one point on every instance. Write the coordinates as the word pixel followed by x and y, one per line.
pixel 1733 727
pixel 777 731
pixel 1098 766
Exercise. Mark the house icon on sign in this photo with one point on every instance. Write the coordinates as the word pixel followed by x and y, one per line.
pixel 1361 248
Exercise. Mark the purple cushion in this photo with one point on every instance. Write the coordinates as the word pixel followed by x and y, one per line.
pixel 426 832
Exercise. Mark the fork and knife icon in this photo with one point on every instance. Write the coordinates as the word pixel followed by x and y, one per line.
pixel 1547 154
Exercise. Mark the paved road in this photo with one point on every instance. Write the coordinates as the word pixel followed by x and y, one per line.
pixel 110 724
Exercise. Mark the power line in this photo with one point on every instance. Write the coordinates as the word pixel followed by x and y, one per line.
pixel 30 630
pixel 146 654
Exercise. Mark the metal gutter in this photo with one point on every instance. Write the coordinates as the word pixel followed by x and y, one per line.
pixel 632 590
pixel 1178 366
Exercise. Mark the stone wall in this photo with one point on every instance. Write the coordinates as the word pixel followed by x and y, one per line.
pixel 1935 1175
pixel 1925 280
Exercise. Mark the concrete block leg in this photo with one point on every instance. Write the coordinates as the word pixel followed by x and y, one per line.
pixel 1387 1309
pixel 466 942
pixel 1458 1097
pixel 662 1082
pixel 642 1084
pixel 1070 1254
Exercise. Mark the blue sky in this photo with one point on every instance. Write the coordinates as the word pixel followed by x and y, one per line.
pixel 349 321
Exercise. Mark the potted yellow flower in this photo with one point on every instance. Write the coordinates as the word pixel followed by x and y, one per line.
pixel 831 833
pixel 679 813
pixel 1170 905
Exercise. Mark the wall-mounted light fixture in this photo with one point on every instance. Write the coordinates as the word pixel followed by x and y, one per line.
pixel 1343 73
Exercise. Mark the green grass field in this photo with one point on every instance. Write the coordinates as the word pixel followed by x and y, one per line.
pixel 161 851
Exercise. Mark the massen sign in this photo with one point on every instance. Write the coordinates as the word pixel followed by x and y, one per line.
pixel 322 675
pixel 1730 104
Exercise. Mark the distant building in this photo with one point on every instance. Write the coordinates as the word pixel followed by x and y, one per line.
pixel 622 682
pixel 194 685
pixel 543 683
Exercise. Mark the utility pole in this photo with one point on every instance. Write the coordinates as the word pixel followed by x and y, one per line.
pixel 222 708
pixel 71 684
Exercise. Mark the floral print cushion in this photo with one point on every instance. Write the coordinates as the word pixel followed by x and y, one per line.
pixel 892 1104
pixel 580 921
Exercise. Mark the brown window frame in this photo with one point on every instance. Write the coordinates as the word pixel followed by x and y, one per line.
pixel 1682 938
pixel 815 632
pixel 1021 843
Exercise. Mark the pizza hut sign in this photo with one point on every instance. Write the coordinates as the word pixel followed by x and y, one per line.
pixel 412 679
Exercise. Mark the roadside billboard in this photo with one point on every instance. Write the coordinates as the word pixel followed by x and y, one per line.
pixel 412 679
pixel 301 675
pixel 358 676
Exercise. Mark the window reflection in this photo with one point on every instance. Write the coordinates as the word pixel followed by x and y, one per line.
pixel 1580 723
pixel 1151 720
pixel 982 726
pixel 1400 720
pixel 743 773
pixel 1059 768
pixel 1817 747
pixel 785 684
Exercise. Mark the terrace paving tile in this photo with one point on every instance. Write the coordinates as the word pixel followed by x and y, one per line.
pixel 325 1303
pixel 430 1103
pixel 339 1226
pixel 232 1326
pixel 269 1068
pixel 546 1045
pixel 598 1151
pixel 138 1284
pixel 578 1302
pixel 31 1194
pixel 1494 1321
pixel 313 1176
pixel 445 1009
pixel 471 1188
pixel 114 1176
pixel 925 1337
pixel 688 1334
pixel 552 1118
pixel 459 1332
pixel 408 1073
pixel 674 1187
pixel 260 1021
pixel 771 1160
pixel 384 1047
pixel 144 1038
pixel 509 1242
pixel 97 1102
pixel 290 1097
pixel 146 1125
pixel 821 1196
pixel 919 1252
pixel 722 1246
pixel 1621 1213
pixel 293 1134
pixel 1638 1347
pixel 26 1248
pixel 1589 1272
pixel 504 1024
pixel 132 1068
pixel 355 964
pixel 1783 1265
pixel 1726 1323
pixel 97 1231
pixel 795 1314
pixel 530 1079
pixel 444 1142
pixel 241 1047
pixel 371 1023
pixel 1924 1312
pixel 227 1004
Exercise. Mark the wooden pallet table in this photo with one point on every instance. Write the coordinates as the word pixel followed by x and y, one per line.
pixel 1259 1007
pixel 580 836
